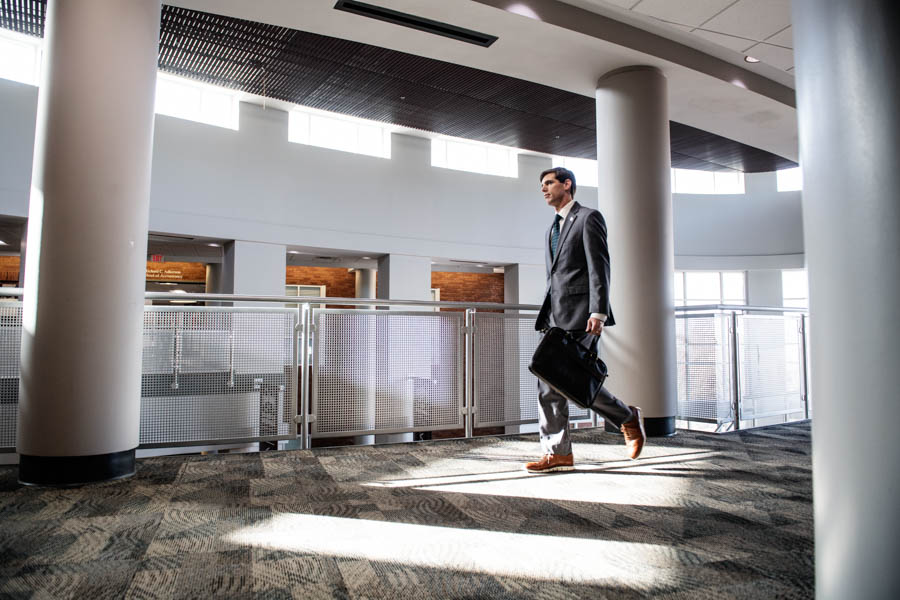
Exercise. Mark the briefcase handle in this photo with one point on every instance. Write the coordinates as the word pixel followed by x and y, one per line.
pixel 571 338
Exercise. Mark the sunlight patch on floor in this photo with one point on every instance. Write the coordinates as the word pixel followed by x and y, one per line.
pixel 551 558
pixel 647 482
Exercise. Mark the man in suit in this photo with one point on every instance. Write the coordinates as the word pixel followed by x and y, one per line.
pixel 577 300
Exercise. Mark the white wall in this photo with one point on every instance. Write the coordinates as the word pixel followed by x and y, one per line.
pixel 254 185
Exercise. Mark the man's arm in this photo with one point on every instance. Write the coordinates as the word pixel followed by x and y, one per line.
pixel 596 253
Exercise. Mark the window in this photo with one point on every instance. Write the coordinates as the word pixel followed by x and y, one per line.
pixel 689 181
pixel 795 288
pixel 694 288
pixel 789 180
pixel 475 157
pixel 328 130
pixel 20 57
pixel 305 291
pixel 585 169
pixel 193 101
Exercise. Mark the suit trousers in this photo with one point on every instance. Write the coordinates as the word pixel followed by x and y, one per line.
pixel 553 409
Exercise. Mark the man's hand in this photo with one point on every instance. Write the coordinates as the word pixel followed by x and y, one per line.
pixel 594 326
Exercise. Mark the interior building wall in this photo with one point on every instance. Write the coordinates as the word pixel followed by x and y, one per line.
pixel 254 185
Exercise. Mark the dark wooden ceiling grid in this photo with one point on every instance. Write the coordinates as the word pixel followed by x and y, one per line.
pixel 395 87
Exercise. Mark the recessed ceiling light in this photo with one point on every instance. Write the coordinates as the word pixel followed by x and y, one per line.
pixel 212 245
pixel 750 59
pixel 293 252
pixel 366 257
pixel 481 265
pixel 2 243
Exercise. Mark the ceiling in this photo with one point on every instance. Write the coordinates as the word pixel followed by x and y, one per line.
pixel 757 28
pixel 413 85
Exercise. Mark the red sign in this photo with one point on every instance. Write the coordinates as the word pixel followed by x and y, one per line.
pixel 156 258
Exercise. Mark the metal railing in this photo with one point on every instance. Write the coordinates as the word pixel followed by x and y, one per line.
pixel 739 365
pixel 276 368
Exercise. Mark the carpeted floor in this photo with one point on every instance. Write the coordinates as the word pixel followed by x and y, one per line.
pixel 699 516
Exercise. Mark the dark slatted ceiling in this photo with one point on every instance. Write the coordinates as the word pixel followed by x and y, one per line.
pixel 394 87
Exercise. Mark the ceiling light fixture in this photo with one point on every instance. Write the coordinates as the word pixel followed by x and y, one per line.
pixel 212 245
pixel 293 252
pixel 751 59
pixel 2 243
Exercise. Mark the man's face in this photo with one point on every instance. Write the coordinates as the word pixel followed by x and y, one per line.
pixel 555 193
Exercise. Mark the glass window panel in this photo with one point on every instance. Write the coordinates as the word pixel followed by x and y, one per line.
pixel 689 181
pixel 498 161
pixel 796 302
pixel 177 99
pixel 794 284
pixel 19 60
pixel 789 180
pixel 466 157
pixel 371 140
pixel 702 285
pixel 439 153
pixel 217 108
pixel 298 127
pixel 729 182
pixel 332 133
pixel 585 170
pixel 679 287
pixel 733 287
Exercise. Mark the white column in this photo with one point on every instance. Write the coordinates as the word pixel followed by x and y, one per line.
pixel 365 288
pixel 79 406
pixel 634 165
pixel 848 82
pixel 254 269
pixel 401 277
pixel 522 284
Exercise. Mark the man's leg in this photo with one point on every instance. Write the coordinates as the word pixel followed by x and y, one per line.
pixel 627 418
pixel 553 417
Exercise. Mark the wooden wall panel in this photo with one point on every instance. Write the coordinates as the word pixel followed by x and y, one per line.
pixel 176 271
pixel 9 269
pixel 468 287
pixel 338 282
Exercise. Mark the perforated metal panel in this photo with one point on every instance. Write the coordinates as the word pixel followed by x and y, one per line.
pixel 10 345
pixel 386 371
pixel 506 392
pixel 771 365
pixel 217 373
pixel 703 351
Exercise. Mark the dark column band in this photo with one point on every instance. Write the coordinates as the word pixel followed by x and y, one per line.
pixel 64 471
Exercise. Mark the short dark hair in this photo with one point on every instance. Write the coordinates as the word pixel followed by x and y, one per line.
pixel 561 174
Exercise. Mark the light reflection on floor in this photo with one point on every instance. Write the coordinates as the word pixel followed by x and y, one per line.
pixel 541 557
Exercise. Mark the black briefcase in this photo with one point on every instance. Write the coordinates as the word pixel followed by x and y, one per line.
pixel 568 367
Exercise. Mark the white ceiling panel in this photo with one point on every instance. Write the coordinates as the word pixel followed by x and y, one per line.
pixel 752 19
pixel 619 3
pixel 729 41
pixel 773 55
pixel 686 12
pixel 783 38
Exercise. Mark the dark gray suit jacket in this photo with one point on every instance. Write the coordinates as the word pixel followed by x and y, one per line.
pixel 578 276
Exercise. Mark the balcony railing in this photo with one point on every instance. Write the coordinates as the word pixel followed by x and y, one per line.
pixel 264 368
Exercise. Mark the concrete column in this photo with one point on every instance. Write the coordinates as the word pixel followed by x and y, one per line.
pixel 634 196
pixel 365 283
pixel 848 82
pixel 522 284
pixel 79 402
pixel 365 288
pixel 401 277
pixel 254 269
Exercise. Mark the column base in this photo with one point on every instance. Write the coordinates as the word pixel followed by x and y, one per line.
pixel 653 427
pixel 69 471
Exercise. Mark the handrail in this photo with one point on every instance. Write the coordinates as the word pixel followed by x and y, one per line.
pixel 741 307
pixel 16 292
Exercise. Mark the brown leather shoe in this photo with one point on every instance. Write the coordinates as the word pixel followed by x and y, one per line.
pixel 634 434
pixel 550 463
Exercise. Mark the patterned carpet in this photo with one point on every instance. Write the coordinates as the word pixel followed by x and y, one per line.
pixel 700 516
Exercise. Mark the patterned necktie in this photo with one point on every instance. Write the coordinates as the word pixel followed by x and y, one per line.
pixel 554 236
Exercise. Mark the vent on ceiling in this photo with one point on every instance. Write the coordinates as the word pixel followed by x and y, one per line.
pixel 415 22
